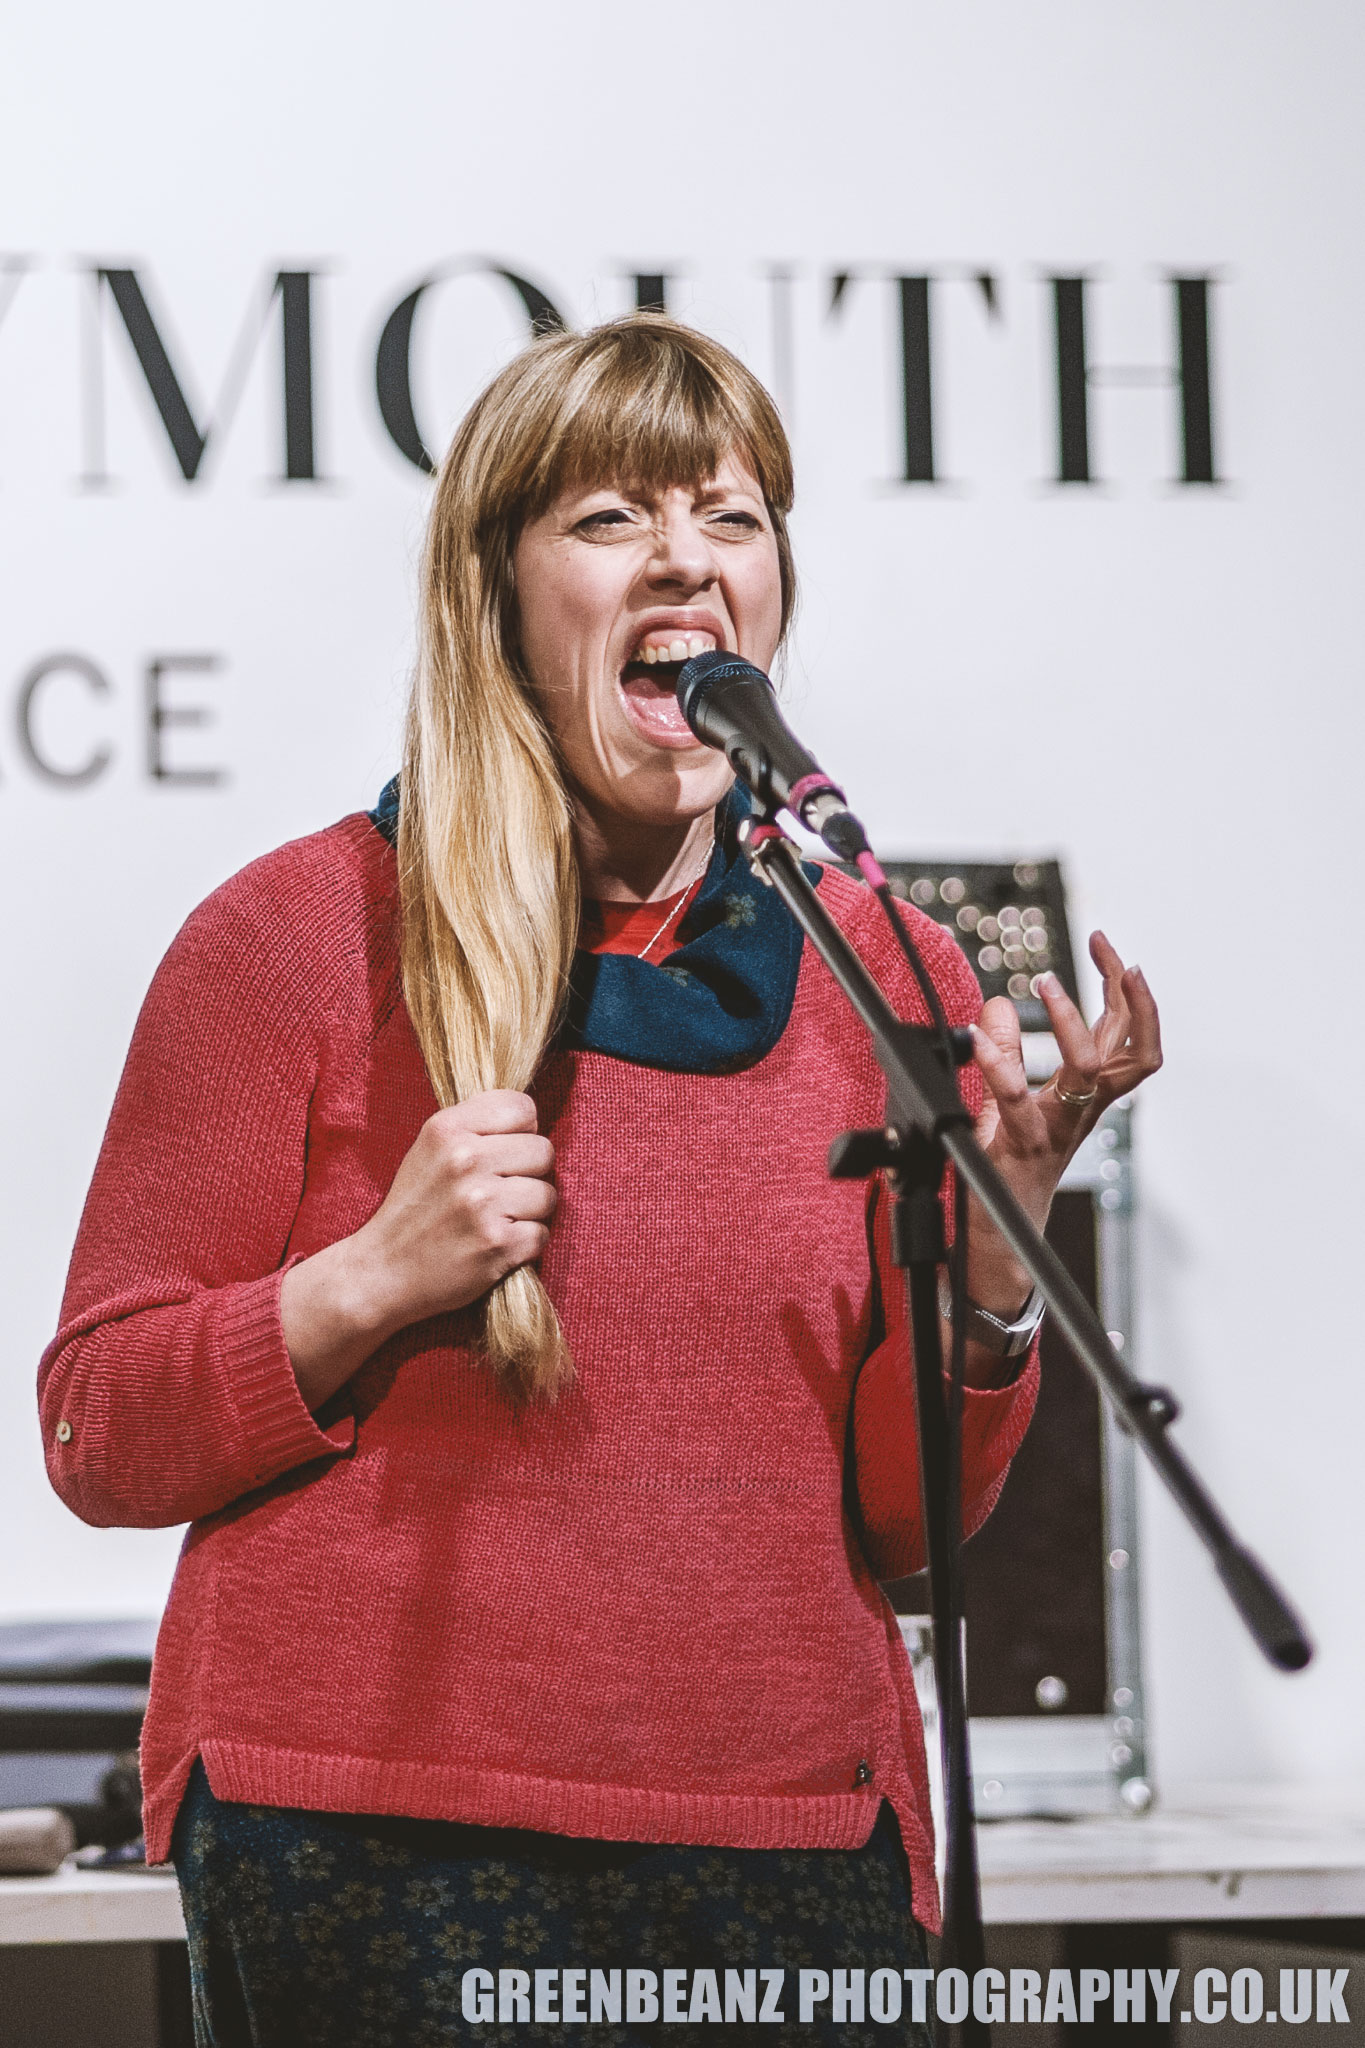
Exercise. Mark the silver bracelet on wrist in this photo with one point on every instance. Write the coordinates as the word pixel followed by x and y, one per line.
pixel 993 1333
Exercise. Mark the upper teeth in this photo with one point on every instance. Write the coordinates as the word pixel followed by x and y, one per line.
pixel 680 648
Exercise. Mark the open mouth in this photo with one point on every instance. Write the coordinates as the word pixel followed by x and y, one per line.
pixel 649 683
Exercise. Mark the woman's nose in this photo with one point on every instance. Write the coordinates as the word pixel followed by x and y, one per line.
pixel 682 554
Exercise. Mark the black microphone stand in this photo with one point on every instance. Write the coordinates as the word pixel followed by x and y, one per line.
pixel 926 1126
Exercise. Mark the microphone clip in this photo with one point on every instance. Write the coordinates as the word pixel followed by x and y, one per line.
pixel 757 835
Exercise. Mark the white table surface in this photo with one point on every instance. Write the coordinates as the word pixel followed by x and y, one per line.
pixel 1212 1852
pixel 90 1905
pixel 1227 1852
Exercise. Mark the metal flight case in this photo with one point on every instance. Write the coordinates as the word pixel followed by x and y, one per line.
pixel 1054 1668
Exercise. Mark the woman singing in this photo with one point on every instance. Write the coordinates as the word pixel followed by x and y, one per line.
pixel 461 1264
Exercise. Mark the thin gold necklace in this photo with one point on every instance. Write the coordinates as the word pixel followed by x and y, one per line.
pixel 681 903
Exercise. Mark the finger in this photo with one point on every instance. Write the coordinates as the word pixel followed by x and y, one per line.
pixel 1145 1031
pixel 527 1201
pixel 1081 1056
pixel 519 1152
pixel 1002 1069
pixel 1111 1032
pixel 1020 1121
pixel 999 1051
pixel 1000 1021
pixel 1110 964
pixel 523 1245
pixel 1140 1056
pixel 496 1110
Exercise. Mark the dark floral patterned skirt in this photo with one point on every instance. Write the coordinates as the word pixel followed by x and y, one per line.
pixel 324 1930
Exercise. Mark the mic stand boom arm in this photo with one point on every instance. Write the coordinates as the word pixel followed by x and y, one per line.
pixel 918 1099
pixel 927 1124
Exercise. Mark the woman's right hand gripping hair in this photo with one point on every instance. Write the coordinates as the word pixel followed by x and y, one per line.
pixel 471 1201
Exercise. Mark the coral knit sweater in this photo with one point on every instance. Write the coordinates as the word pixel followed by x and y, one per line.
pixel 649 1611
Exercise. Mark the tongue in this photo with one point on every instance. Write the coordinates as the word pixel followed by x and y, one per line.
pixel 653 702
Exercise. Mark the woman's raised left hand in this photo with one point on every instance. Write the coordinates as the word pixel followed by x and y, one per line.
pixel 1031 1133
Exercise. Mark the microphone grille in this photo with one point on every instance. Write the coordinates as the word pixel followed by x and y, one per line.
pixel 697 677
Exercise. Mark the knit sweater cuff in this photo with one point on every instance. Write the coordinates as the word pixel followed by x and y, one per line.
pixel 278 1430
pixel 1012 1375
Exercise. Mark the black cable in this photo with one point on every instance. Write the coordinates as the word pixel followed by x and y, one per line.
pixel 885 896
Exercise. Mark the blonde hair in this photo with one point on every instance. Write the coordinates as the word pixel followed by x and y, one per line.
pixel 489 878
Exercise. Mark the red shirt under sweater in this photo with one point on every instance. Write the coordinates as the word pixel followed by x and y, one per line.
pixel 643 931
pixel 639 1613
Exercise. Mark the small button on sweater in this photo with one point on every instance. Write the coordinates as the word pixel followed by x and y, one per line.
pixel 648 1611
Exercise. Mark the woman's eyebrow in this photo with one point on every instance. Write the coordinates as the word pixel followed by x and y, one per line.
pixel 713 493
pixel 631 494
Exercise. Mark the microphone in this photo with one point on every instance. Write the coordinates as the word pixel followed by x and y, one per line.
pixel 731 705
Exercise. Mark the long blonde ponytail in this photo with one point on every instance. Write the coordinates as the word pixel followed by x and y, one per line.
pixel 489 877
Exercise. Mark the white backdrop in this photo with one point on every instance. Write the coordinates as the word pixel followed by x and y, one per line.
pixel 1159 681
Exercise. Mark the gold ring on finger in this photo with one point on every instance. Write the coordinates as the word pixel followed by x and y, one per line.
pixel 1072 1101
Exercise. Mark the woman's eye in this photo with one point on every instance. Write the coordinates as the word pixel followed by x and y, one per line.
pixel 742 520
pixel 614 515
